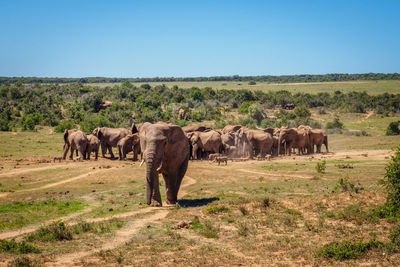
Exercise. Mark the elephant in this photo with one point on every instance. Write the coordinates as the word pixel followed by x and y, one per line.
pixel 195 128
pixel 128 144
pixel 109 138
pixel 93 146
pixel 243 145
pixel 181 114
pixel 293 138
pixel 165 150
pixel 205 142
pixel 76 140
pixel 261 141
pixel 231 128
pixel 228 140
pixel 317 138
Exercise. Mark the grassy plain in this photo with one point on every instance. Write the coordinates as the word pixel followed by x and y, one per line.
pixel 371 87
pixel 278 212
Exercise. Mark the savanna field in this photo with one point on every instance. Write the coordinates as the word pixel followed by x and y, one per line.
pixel 318 209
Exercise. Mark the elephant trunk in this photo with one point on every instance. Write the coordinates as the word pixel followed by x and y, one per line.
pixel 279 145
pixel 153 196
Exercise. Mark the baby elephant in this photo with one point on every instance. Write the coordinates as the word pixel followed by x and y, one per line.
pixel 221 159
pixel 93 146
pixel 128 144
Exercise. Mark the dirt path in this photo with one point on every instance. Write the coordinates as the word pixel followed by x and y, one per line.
pixel 121 237
pixel 46 186
pixel 277 176
pixel 25 170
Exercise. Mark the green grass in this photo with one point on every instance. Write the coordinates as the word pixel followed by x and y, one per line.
pixel 19 214
pixel 371 87
pixel 17 247
pixel 347 250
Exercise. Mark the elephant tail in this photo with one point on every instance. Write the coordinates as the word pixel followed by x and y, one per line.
pixel 66 136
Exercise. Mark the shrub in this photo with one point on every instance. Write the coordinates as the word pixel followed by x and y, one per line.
pixel 252 83
pixel 335 124
pixel 244 107
pixel 181 123
pixel 345 185
pixel 56 231
pixel 219 124
pixel 17 247
pixel 392 182
pixel 64 125
pixel 393 128
pixel 347 249
pixel 321 166
pixel 92 122
pixel 256 113
pixel 216 209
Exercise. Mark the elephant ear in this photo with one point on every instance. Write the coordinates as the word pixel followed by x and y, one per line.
pixel 134 128
pixel 175 134
pixel 136 138
pixel 99 133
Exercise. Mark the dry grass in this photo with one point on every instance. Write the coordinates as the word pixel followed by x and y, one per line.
pixel 278 212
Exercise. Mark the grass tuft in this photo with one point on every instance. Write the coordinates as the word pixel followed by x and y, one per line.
pixel 17 247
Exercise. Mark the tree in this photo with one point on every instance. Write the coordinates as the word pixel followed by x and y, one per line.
pixel 255 112
pixel 393 128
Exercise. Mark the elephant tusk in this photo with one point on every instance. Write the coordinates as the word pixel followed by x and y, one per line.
pixel 159 167
pixel 141 163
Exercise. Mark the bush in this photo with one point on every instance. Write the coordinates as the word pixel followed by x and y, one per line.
pixel 256 113
pixel 17 247
pixel 216 209
pixel 392 183
pixel 335 124
pixel 220 124
pixel 252 83
pixel 393 128
pixel 64 125
pixel 92 122
pixel 56 231
pixel 321 166
pixel 244 107
pixel 347 249
pixel 181 123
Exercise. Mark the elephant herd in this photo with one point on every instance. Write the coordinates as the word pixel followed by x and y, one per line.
pixel 166 149
pixel 238 141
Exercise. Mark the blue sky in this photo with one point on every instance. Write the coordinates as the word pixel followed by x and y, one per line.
pixel 197 38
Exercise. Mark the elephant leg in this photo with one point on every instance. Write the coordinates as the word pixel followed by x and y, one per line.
pixel 153 192
pixel 88 151
pixel 120 152
pixel 135 153
pixel 170 187
pixel 66 147
pixel 96 152
pixel 179 177
pixel 110 151
pixel 81 152
pixel 319 148
pixel 103 150
pixel 72 153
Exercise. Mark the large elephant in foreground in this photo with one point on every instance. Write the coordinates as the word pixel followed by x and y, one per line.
pixel 205 142
pixel 76 140
pixel 109 138
pixel 165 150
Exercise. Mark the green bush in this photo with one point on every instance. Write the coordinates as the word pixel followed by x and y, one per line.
pixel 321 166
pixel 57 231
pixel 181 123
pixel 392 182
pixel 216 209
pixel 64 125
pixel 347 250
pixel 393 128
pixel 256 113
pixel 17 247
pixel 244 107
pixel 92 122
pixel 335 124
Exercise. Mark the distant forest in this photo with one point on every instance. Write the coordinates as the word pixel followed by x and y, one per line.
pixel 263 78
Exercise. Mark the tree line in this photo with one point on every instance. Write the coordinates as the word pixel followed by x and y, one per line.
pixel 66 105
pixel 261 78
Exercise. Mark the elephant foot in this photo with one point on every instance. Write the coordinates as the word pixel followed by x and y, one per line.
pixel 155 203
pixel 170 202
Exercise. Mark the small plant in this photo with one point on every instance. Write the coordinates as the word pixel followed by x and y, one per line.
pixel 24 261
pixel 206 229
pixel 321 166
pixel 56 231
pixel 243 229
pixel 216 209
pixel 347 250
pixel 17 247
pixel 243 210
pixel 344 185
pixel 335 124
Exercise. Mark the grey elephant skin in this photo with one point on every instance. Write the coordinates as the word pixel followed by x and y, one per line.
pixel 109 138
pixel 93 146
pixel 165 150
pixel 76 140
pixel 128 144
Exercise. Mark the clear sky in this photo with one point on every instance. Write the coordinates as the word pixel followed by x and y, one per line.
pixel 71 38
